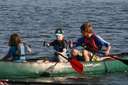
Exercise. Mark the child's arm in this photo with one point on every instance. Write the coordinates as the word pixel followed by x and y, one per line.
pixel 29 50
pixel 107 50
pixel 48 43
pixel 104 43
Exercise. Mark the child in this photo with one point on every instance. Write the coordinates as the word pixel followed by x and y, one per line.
pixel 17 50
pixel 59 45
pixel 91 43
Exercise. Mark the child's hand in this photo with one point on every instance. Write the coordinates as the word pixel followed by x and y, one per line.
pixel 70 44
pixel 107 52
pixel 64 50
pixel 46 44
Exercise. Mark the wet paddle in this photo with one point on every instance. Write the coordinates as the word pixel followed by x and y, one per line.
pixel 76 65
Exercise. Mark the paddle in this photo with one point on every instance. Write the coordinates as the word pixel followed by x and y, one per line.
pixel 116 56
pixel 76 65
pixel 125 61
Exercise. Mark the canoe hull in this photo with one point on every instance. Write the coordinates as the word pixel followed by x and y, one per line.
pixel 14 70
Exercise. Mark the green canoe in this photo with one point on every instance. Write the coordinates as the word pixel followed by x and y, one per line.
pixel 10 70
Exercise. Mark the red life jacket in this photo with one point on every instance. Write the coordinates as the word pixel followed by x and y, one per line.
pixel 90 44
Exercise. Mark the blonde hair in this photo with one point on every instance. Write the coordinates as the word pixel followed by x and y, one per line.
pixel 87 27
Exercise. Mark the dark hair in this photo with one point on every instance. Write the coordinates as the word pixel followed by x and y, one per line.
pixel 87 27
pixel 14 40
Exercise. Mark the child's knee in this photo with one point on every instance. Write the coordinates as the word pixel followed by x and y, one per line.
pixel 74 52
pixel 85 52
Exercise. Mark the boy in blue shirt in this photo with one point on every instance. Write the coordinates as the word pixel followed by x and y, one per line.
pixel 91 43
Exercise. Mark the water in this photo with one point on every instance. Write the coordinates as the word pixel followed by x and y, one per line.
pixel 36 20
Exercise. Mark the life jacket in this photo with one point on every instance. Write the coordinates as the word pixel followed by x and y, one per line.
pixel 91 44
pixel 21 49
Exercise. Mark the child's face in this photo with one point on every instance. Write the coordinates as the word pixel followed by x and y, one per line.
pixel 86 34
pixel 59 37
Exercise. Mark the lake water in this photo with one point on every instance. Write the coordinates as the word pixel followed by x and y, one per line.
pixel 36 20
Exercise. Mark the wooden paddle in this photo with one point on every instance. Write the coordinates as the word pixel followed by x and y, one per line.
pixel 76 65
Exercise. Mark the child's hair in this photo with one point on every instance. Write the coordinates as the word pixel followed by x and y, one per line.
pixel 87 27
pixel 14 40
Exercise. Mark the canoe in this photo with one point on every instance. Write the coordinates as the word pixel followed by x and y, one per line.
pixel 13 70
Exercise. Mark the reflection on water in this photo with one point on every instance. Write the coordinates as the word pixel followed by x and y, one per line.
pixel 36 21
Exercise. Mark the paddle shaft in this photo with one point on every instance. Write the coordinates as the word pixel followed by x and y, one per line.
pixel 116 56
pixel 61 55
